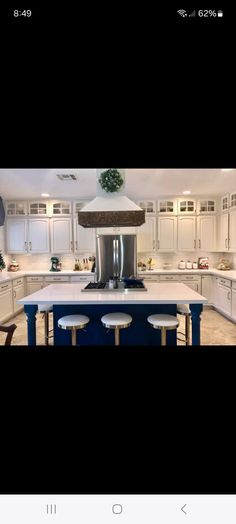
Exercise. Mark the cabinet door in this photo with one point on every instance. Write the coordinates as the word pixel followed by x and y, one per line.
pixel 193 285
pixel 146 236
pixel 61 235
pixel 186 233
pixel 223 232
pixel 84 238
pixel 232 231
pixel 18 293
pixel 206 233
pixel 16 235
pixel 32 287
pixel 223 298
pixel 186 206
pixel 167 233
pixel 207 288
pixel 233 312
pixel 6 305
pixel 38 235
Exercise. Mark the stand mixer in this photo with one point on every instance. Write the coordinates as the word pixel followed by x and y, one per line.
pixel 56 265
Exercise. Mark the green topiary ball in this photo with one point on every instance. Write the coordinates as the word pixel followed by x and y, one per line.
pixel 111 180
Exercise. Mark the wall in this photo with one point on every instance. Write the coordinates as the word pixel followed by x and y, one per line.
pixel 43 262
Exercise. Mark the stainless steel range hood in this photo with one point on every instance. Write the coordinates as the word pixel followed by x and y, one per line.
pixel 111 209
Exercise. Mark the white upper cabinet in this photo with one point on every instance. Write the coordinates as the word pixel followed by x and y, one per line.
pixel 167 206
pixel 225 202
pixel 232 231
pixel 61 235
pixel 16 235
pixel 38 235
pixel 206 233
pixel 149 206
pixel 79 204
pixel 232 201
pixel 146 236
pixel 187 233
pixel 60 208
pixel 84 238
pixel 38 208
pixel 206 206
pixel 186 206
pixel 16 208
pixel 223 232
pixel 167 233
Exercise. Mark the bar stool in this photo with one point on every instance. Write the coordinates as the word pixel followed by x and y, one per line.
pixel 116 321
pixel 46 309
pixel 163 322
pixel 73 322
pixel 184 309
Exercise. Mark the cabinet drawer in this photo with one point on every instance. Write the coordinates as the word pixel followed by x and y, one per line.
pixel 57 279
pixel 18 281
pixel 194 278
pixel 5 286
pixel 83 278
pixel 223 281
pixel 34 279
pixel 154 278
pixel 233 285
pixel 169 277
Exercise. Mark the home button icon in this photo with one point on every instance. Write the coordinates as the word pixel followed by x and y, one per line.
pixel 117 509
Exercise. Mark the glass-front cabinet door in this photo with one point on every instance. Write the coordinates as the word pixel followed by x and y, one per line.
pixel 167 207
pixel 38 208
pixel 149 206
pixel 60 207
pixel 186 206
pixel 16 208
pixel 79 204
pixel 233 200
pixel 206 206
pixel 225 202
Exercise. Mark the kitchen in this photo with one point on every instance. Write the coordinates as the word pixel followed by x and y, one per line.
pixel 187 241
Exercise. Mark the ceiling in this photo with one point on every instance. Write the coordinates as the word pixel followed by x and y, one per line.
pixel 139 183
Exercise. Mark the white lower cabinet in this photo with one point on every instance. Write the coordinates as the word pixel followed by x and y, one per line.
pixel 207 288
pixel 82 278
pixel 233 310
pixel 34 284
pixel 222 295
pixel 192 281
pixel 6 303
pixel 61 235
pixel 187 233
pixel 18 293
pixel 167 234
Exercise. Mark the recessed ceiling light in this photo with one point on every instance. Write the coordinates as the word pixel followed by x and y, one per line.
pixel 186 192
pixel 45 195
pixel 226 169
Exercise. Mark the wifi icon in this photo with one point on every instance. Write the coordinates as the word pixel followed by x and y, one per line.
pixel 182 12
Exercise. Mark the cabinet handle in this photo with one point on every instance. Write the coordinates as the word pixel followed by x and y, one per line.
pixel 3 287
pixel 194 243
pixel 14 294
pixel 229 242
pixel 71 245
pixel 199 243
pixel 153 244
pixel 228 295
pixel 158 244
pixel 30 246
pixel 226 242
pixel 76 245
pixel 25 246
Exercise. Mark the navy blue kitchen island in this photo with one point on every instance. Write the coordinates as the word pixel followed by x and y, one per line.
pixel 68 299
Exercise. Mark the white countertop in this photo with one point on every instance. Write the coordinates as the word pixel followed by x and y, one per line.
pixel 231 273
pixel 157 293
pixel 11 275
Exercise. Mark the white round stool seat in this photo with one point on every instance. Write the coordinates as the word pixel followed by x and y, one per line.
pixel 183 309
pixel 163 320
pixel 45 308
pixel 73 321
pixel 112 320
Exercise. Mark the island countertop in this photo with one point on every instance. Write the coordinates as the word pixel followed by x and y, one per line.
pixel 157 293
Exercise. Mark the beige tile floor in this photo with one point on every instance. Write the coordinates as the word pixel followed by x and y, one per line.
pixel 215 329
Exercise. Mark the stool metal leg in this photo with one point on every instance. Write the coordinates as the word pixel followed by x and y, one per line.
pixel 187 329
pixel 73 336
pixel 117 336
pixel 163 336
pixel 46 322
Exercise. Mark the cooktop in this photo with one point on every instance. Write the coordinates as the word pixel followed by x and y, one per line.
pixel 104 286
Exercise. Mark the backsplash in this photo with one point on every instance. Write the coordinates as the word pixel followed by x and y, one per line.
pixel 43 261
pixel 174 258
